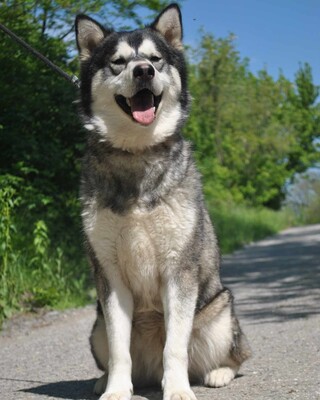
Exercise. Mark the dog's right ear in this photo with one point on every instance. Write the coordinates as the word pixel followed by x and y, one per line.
pixel 89 33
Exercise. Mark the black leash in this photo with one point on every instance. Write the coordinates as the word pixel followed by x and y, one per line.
pixel 70 78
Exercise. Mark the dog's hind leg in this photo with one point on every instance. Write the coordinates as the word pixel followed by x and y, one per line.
pixel 217 347
pixel 238 353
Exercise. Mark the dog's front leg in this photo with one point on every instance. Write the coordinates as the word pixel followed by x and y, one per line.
pixel 118 307
pixel 179 307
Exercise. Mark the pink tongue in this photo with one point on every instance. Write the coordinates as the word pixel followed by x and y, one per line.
pixel 145 117
pixel 142 107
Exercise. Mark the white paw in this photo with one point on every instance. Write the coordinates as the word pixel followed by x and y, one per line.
pixel 116 396
pixel 179 395
pixel 219 377
pixel 101 384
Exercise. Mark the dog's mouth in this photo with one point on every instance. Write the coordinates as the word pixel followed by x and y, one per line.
pixel 142 107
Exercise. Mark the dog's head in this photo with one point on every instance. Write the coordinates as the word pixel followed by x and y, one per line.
pixel 133 84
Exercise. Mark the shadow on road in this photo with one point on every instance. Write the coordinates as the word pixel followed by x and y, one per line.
pixel 71 390
pixel 82 390
pixel 277 279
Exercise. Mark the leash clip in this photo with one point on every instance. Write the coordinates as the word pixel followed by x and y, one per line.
pixel 76 81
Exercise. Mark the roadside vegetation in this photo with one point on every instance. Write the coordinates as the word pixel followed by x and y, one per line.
pixel 240 225
pixel 252 134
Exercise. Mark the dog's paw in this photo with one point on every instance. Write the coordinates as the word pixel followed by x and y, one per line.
pixel 179 395
pixel 100 385
pixel 219 377
pixel 116 396
pixel 114 387
pixel 100 388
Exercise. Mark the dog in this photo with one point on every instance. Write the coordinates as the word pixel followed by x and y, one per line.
pixel 163 316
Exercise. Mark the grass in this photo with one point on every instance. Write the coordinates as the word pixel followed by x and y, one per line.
pixel 39 276
pixel 240 225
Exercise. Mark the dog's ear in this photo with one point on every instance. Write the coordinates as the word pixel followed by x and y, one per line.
pixel 89 33
pixel 169 24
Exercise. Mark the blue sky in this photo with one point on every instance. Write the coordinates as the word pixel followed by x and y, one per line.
pixel 273 34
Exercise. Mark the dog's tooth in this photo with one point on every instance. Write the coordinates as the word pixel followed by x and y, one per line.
pixel 128 102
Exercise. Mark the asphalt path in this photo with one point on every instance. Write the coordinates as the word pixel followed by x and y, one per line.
pixel 276 283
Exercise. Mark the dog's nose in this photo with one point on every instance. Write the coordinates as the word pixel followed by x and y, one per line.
pixel 143 71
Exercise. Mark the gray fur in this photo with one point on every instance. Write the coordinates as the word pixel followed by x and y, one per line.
pixel 148 233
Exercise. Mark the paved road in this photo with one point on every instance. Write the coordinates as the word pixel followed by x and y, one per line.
pixel 276 283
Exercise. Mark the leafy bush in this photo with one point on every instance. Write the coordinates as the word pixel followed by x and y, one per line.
pixel 35 271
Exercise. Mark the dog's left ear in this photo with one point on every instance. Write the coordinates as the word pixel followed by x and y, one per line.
pixel 169 24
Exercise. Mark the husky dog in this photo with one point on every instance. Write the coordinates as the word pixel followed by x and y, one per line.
pixel 163 314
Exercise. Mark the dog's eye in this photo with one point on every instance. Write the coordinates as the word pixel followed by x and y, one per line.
pixel 155 59
pixel 119 61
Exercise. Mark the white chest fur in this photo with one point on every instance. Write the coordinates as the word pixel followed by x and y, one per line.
pixel 141 245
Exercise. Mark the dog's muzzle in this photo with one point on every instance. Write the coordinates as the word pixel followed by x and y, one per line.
pixel 142 107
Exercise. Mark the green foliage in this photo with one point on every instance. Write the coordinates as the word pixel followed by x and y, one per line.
pixel 55 18
pixel 252 133
pixel 8 201
pixel 305 121
pixel 33 272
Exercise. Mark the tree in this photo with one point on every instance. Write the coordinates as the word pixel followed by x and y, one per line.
pixel 56 17
pixel 305 118
pixel 251 132
pixel 40 133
